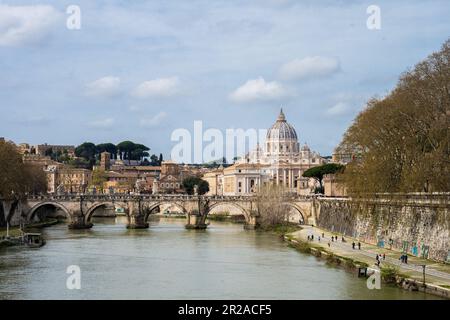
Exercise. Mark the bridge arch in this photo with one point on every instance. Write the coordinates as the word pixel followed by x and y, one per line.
pixel 90 211
pixel 244 212
pixel 298 210
pixel 153 206
pixel 31 213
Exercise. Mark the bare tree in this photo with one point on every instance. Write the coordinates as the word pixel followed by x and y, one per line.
pixel 401 142
pixel 271 206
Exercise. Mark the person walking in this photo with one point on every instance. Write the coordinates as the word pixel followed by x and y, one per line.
pixel 323 235
pixel 353 245
pixel 359 245
pixel 329 244
pixel 384 256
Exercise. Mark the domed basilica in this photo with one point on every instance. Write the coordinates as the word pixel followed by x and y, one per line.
pixel 280 161
pixel 282 146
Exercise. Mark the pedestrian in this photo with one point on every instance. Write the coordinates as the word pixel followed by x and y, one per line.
pixel 384 256
pixel 353 245
pixel 343 240
pixel 319 238
pixel 359 245
pixel 323 235
pixel 308 238
pixel 406 258
pixel 332 238
pixel 312 237
pixel 329 244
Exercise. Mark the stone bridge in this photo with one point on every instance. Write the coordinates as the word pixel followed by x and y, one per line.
pixel 79 209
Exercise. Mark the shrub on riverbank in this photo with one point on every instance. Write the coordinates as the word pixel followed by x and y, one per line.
pixel 389 274
pixel 281 228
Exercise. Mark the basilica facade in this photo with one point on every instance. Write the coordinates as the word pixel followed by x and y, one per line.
pixel 280 160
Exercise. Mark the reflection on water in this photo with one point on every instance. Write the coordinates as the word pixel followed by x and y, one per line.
pixel 168 262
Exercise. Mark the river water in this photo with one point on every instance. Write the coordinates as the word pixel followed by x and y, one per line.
pixel 167 261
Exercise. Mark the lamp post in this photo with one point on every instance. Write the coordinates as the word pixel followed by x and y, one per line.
pixel 423 267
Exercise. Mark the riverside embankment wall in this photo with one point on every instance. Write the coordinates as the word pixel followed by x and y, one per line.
pixel 418 223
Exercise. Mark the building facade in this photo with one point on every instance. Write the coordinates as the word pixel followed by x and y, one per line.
pixel 280 161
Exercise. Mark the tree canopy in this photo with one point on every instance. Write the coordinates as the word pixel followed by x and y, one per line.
pixel 132 151
pixel 402 140
pixel 17 178
pixel 127 150
pixel 320 171
pixel 86 150
pixel 190 182
pixel 107 147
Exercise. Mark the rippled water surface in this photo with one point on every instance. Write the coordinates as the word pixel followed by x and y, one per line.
pixel 167 261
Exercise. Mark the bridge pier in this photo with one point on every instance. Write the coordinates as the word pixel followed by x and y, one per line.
pixel 78 222
pixel 196 221
pixel 136 216
pixel 252 224
pixel 137 222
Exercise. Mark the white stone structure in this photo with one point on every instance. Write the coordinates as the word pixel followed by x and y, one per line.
pixel 282 158
pixel 280 161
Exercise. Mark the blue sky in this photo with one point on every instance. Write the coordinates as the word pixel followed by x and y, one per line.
pixel 137 70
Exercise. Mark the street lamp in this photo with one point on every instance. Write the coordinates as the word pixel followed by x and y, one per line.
pixel 423 267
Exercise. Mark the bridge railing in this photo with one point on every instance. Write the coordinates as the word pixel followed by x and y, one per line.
pixel 153 197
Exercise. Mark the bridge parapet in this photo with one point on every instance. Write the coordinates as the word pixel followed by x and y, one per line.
pixel 81 207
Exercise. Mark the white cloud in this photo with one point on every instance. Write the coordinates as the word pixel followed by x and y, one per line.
pixel 339 108
pixel 258 90
pixel 102 123
pixel 106 87
pixel 309 67
pixel 162 87
pixel 153 121
pixel 22 25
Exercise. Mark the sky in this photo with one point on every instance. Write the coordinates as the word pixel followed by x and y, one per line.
pixel 138 70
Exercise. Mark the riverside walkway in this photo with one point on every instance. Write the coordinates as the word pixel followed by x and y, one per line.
pixel 436 273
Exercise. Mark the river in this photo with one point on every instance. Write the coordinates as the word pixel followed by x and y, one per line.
pixel 167 261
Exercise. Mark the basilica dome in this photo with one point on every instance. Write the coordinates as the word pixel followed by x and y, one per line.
pixel 281 130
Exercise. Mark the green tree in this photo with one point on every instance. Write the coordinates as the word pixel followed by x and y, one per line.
pixel 154 160
pixel 48 152
pixel 190 182
pixel 99 177
pixel 107 147
pixel 125 148
pixel 318 172
pixel 87 151
pixel 139 152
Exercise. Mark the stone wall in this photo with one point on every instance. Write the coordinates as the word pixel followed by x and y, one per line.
pixel 418 223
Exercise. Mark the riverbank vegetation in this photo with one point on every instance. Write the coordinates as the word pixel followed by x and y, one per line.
pixel 271 207
pixel 400 143
pixel 15 231
pixel 18 178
